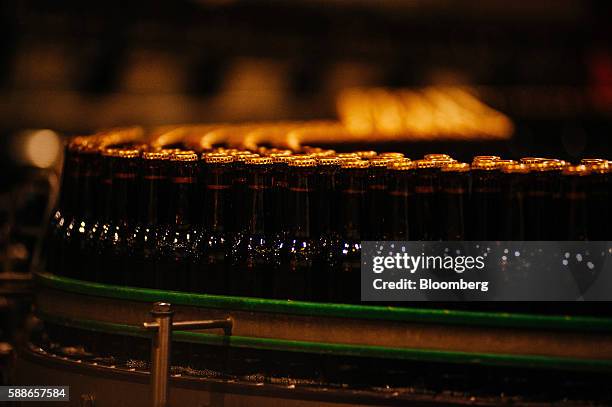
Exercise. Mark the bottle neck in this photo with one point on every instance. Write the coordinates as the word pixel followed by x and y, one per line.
pixel 69 189
pixel 352 203
pixel 326 199
pixel 182 193
pixel 88 184
pixel 259 213
pixel 153 192
pixel 300 194
pixel 124 185
pixel 217 197
pixel 400 191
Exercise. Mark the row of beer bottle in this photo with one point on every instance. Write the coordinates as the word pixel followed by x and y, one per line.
pixel 290 225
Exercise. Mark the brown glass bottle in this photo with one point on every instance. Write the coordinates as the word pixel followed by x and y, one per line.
pixel 598 200
pixel 344 278
pixel 425 201
pixel 514 181
pixel 254 254
pixel 153 196
pixel 239 191
pixel 210 274
pixel 377 198
pixel 279 194
pixel 119 177
pixel 575 184
pixel 400 199
pixel 454 188
pixel 68 193
pixel 176 257
pixel 86 175
pixel 485 202
pixel 539 209
pixel 299 250
pixel 326 203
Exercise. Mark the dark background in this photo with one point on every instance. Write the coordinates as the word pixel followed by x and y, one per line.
pixel 77 66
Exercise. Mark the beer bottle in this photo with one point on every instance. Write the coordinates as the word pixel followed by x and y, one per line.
pixel 514 182
pixel 326 226
pixel 153 195
pixel 254 255
pixel 377 199
pixel 279 195
pixel 598 199
pixel 68 193
pixel 176 257
pixel 485 201
pixel 401 191
pixel 424 200
pixel 294 279
pixel 213 245
pixel 120 208
pixel 344 281
pixel 455 179
pixel 575 183
pixel 239 191
pixel 539 202
pixel 86 176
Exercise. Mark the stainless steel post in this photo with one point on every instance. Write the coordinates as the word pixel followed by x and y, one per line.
pixel 160 353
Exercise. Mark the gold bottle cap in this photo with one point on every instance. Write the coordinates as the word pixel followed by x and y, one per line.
pixel 278 151
pixel 439 163
pixel 244 157
pixel 355 164
pixel 301 156
pixel 515 169
pixel 154 155
pixel 219 159
pixel 366 153
pixel 421 164
pixel 485 165
pixel 437 157
pixel 184 156
pixel 401 165
pixel 391 155
pixel 603 168
pixel 280 158
pixel 213 154
pixel 580 170
pixel 381 162
pixel 504 163
pixel 456 167
pixel 593 161
pixel 240 152
pixel 532 160
pixel 305 162
pixel 486 158
pixel 258 161
pixel 328 161
pixel 128 153
pixel 347 155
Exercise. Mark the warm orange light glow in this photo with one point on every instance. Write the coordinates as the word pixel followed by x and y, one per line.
pixel 435 112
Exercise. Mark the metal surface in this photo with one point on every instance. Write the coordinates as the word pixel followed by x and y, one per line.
pixel 162 340
pixel 160 353
pixel 122 388
pixel 268 324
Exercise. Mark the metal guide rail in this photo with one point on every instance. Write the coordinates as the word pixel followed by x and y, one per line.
pixel 577 345
pixel 466 337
